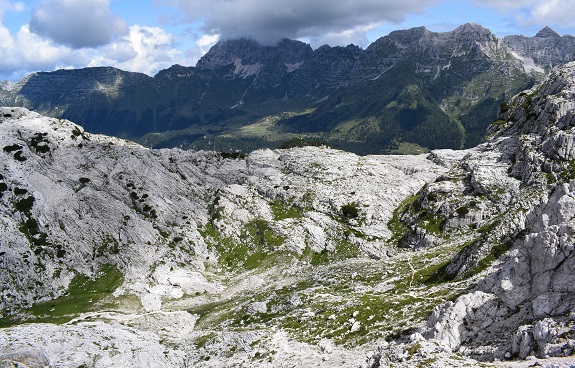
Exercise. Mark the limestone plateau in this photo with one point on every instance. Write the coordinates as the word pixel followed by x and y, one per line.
pixel 409 91
pixel 113 254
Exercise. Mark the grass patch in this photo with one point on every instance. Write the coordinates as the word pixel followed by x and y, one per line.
pixel 568 173
pixel 258 246
pixel 283 211
pixel 202 340
pixel 395 225
pixel 431 223
pixel 494 253
pixel 108 246
pixel 408 148
pixel 302 142
pixel 343 250
pixel 83 295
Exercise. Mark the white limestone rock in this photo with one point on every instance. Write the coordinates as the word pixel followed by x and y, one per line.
pixel 535 282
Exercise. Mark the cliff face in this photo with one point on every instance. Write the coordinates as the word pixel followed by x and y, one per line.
pixel 248 56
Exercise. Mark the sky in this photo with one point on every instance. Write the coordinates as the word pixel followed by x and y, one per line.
pixel 150 35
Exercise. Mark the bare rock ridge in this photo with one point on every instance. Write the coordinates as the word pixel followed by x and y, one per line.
pixel 547 49
pixel 245 52
pixel 244 96
pixel 116 254
pixel 525 306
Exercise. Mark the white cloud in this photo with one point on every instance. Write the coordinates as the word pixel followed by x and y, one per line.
pixel 28 52
pixel 558 12
pixel 271 20
pixel 77 23
pixel 508 4
pixel 206 41
pixel 144 49
pixel 356 36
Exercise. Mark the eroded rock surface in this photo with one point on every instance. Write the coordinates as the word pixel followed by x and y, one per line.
pixel 304 257
pixel 525 305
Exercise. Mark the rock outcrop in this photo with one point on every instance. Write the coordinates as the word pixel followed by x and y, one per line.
pixel 525 306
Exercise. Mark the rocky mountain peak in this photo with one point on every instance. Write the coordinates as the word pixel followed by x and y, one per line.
pixel 473 30
pixel 546 33
pixel 249 52
pixel 546 49
pixel 471 27
pixel 404 36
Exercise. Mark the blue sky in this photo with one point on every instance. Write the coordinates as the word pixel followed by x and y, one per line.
pixel 149 35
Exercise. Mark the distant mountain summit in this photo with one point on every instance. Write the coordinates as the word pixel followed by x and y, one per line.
pixel 248 54
pixel 412 88
pixel 547 32
pixel 547 49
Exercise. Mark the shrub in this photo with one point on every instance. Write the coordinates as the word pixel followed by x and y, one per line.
pixel 462 211
pixel 18 156
pixel 350 210
pixel 12 148
pixel 25 205
pixel 233 155
pixel 20 191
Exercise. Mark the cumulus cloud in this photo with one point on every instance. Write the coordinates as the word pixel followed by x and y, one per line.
pixel 77 23
pixel 206 41
pixel 143 49
pixel 26 52
pixel 553 12
pixel 508 4
pixel 271 20
pixel 355 35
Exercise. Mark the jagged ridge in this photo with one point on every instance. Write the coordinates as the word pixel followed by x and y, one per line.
pixel 452 82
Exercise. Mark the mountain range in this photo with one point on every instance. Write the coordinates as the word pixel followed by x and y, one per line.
pixel 408 91
pixel 113 254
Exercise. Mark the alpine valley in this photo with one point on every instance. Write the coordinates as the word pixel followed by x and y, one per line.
pixel 410 91
pixel 113 254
